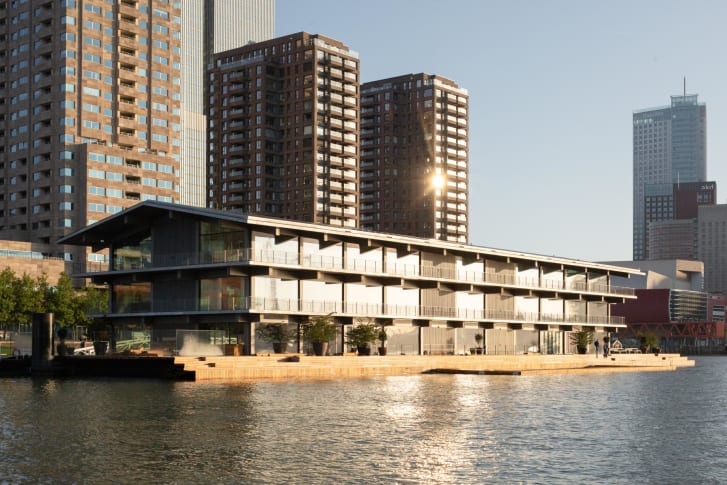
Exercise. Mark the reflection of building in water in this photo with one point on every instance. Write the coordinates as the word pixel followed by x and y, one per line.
pixel 432 296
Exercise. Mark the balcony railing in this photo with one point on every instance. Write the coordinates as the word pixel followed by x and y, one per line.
pixel 364 266
pixel 357 308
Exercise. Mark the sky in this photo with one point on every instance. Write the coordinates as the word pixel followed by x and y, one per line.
pixel 552 86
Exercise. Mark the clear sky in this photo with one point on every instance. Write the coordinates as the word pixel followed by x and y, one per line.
pixel 552 87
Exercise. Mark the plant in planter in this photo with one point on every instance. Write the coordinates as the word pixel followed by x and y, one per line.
pixel 319 331
pixel 581 338
pixel 648 342
pixel 278 334
pixel 382 339
pixel 478 339
pixel 361 336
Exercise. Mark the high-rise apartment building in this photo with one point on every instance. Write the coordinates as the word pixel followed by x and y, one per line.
pixel 669 146
pixel 284 130
pixel 414 157
pixel 210 26
pixel 89 112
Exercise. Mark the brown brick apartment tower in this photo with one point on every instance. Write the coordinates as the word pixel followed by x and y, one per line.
pixel 89 113
pixel 414 157
pixel 284 130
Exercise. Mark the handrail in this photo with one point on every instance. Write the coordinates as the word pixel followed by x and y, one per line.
pixel 355 308
pixel 363 265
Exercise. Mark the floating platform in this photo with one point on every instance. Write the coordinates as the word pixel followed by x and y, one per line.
pixel 298 366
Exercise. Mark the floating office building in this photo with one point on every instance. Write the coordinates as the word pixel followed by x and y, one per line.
pixel 176 268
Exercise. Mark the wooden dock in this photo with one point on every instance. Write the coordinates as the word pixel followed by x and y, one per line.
pixel 295 366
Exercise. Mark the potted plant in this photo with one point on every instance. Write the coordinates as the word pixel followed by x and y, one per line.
pixel 278 334
pixel 361 336
pixel 478 339
pixel 319 332
pixel 581 338
pixel 382 338
pixel 648 342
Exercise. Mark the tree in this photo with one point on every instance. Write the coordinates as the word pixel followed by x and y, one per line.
pixel 29 295
pixel 62 300
pixel 7 299
pixel 94 300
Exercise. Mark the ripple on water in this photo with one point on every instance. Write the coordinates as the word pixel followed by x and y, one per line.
pixel 652 427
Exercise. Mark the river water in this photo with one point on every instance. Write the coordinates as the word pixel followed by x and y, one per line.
pixel 645 427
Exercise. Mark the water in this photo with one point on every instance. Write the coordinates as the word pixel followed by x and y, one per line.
pixel 651 427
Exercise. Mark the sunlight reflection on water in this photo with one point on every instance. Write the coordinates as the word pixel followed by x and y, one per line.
pixel 606 428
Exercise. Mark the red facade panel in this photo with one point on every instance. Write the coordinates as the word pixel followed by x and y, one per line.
pixel 650 306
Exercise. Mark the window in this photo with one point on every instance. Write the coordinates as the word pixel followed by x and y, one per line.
pixel 92 75
pixel 93 26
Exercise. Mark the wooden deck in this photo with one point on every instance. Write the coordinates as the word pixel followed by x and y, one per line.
pixel 295 366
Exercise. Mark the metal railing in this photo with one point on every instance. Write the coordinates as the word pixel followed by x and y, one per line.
pixel 360 265
pixel 356 308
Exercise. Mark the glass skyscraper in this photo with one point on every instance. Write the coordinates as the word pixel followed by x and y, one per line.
pixel 208 27
pixel 669 147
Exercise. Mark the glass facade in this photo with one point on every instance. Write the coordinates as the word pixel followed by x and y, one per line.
pixel 669 147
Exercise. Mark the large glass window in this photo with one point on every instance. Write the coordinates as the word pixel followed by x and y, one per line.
pixel 132 298
pixel 221 241
pixel 133 255
pixel 222 293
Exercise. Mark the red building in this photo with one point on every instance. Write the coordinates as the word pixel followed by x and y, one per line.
pixel 685 321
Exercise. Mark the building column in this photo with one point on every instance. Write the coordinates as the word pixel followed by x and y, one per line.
pixel 249 338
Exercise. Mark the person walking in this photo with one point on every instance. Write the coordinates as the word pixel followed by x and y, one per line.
pixel 595 344
pixel 605 347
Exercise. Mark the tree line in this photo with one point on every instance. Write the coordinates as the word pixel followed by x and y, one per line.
pixel 22 296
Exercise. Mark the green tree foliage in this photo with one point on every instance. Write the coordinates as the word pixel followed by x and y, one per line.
pixel 7 299
pixel 29 297
pixel 61 300
pixel 20 297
